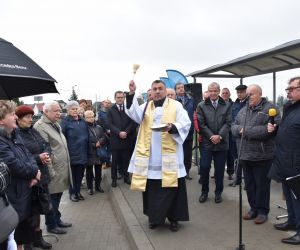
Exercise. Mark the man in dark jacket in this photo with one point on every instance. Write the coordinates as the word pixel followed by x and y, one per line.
pixel 189 105
pixel 257 152
pixel 239 103
pixel 214 115
pixel 225 94
pixel 287 158
pixel 122 138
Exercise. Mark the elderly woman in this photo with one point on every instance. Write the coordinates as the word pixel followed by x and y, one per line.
pixel 97 139
pixel 38 147
pixel 23 168
pixel 76 132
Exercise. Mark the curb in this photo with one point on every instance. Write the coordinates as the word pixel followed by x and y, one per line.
pixel 134 232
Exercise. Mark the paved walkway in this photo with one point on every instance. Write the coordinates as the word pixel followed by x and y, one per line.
pixel 211 227
pixel 95 225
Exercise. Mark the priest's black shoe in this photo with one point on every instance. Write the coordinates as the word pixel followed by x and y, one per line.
pixel 218 198
pixel 114 183
pixel 152 225
pixel 90 191
pixel 174 226
pixel 74 198
pixel 285 226
pixel 57 230
pixel 294 240
pixel 203 198
pixel 127 181
pixel 64 224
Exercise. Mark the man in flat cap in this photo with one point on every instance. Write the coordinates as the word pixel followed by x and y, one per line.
pixel 239 103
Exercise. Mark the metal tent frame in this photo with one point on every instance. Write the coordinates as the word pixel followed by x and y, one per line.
pixel 283 57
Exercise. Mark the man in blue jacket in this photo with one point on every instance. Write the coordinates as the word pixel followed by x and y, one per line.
pixel 189 105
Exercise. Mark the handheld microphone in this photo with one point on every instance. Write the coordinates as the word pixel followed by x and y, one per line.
pixel 272 114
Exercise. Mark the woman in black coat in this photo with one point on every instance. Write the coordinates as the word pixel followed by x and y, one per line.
pixel 40 150
pixel 23 168
pixel 97 139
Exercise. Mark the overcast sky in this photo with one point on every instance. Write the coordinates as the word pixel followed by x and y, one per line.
pixel 94 43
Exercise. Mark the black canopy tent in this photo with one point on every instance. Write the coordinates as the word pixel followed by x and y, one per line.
pixel 282 57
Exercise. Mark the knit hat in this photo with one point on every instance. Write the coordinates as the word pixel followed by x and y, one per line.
pixel 23 110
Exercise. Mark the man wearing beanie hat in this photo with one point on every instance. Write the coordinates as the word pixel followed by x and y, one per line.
pixel 239 103
pixel 23 110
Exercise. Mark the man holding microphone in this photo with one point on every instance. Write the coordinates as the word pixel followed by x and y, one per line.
pixel 257 152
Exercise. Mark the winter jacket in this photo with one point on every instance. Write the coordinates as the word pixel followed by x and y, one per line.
pixel 258 144
pixel 96 133
pixel 287 155
pixel 23 169
pixel 77 136
pixel 102 119
pixel 36 145
pixel 59 167
pixel 214 122
pixel 236 107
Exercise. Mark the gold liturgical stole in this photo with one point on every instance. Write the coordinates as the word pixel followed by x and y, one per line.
pixel 142 150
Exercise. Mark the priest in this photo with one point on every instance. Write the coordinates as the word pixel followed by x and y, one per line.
pixel 157 162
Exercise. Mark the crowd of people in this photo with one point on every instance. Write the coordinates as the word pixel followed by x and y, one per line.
pixel 150 147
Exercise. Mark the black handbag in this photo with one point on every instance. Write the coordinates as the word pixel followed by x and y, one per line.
pixel 9 218
pixel 41 203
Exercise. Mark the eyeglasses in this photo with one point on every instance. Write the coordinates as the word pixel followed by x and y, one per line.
pixel 288 90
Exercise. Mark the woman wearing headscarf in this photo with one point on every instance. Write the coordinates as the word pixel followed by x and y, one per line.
pixel 76 132
pixel 38 147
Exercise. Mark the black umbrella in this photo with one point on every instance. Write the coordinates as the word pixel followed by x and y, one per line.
pixel 20 76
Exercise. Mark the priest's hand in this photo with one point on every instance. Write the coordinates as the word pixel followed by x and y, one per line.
pixel 168 128
pixel 132 87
